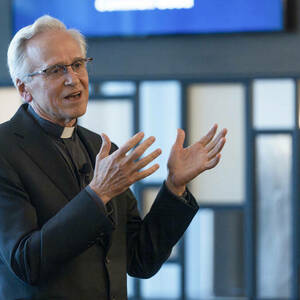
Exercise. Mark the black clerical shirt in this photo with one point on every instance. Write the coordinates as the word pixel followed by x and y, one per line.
pixel 72 149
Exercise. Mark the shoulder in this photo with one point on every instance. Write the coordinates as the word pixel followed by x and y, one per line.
pixel 6 129
pixel 88 133
pixel 19 121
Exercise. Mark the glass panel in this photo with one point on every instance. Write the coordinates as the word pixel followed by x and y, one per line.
pixel 149 196
pixel 164 285
pixel 10 102
pixel 113 117
pixel 223 104
pixel 199 253
pixel 298 90
pixel 160 117
pixel 215 256
pixel 274 232
pixel 273 103
pixel 130 286
pixel 117 88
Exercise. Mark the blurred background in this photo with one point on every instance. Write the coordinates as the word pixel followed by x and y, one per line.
pixel 160 65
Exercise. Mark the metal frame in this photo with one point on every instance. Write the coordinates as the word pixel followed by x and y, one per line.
pixel 249 205
pixel 294 134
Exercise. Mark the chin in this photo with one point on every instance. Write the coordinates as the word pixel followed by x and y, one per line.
pixel 75 111
pixel 79 111
pixel 79 114
pixel 82 111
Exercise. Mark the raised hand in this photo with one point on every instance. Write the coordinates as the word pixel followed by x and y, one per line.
pixel 114 173
pixel 184 164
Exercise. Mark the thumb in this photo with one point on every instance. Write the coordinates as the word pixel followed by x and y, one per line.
pixel 105 147
pixel 180 138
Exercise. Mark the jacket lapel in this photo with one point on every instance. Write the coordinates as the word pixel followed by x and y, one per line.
pixel 91 141
pixel 42 151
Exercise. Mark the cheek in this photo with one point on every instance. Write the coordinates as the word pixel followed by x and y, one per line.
pixel 85 82
pixel 54 95
pixel 43 91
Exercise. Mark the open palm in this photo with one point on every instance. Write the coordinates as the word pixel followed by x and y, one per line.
pixel 184 164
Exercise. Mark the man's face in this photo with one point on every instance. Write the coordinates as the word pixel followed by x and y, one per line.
pixel 61 99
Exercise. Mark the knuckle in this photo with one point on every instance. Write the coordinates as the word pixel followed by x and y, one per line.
pixel 120 167
pixel 131 180
pixel 123 170
pixel 120 151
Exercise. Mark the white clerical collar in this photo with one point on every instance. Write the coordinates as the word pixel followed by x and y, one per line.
pixel 67 132
pixel 52 128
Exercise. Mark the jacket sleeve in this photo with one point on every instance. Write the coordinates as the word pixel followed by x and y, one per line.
pixel 31 251
pixel 150 241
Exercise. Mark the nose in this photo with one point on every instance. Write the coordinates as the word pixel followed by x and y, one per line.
pixel 70 77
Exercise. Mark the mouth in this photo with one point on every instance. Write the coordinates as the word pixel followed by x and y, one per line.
pixel 73 96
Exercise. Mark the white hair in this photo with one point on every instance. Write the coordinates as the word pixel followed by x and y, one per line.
pixel 16 55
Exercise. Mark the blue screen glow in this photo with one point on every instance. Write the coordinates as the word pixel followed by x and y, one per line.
pixel 155 17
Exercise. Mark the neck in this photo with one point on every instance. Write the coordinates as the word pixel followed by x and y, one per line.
pixel 60 122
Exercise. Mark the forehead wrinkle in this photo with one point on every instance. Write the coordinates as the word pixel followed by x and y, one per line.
pixel 64 63
pixel 40 55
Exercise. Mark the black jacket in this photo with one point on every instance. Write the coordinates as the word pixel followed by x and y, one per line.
pixel 55 241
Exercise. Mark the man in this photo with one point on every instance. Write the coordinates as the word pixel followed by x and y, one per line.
pixel 69 225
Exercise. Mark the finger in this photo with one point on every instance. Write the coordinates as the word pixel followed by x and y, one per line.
pixel 212 144
pixel 209 136
pixel 180 137
pixel 105 147
pixel 147 159
pixel 217 148
pixel 131 143
pixel 140 149
pixel 212 163
pixel 145 173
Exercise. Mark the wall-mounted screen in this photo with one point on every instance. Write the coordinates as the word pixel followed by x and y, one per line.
pixel 155 17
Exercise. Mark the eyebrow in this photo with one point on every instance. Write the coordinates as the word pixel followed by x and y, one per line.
pixel 62 63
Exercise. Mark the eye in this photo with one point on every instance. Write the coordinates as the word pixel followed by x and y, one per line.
pixel 77 64
pixel 54 69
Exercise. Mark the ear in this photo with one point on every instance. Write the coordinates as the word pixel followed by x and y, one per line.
pixel 24 91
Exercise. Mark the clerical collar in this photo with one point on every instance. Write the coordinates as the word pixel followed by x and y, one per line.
pixel 52 128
